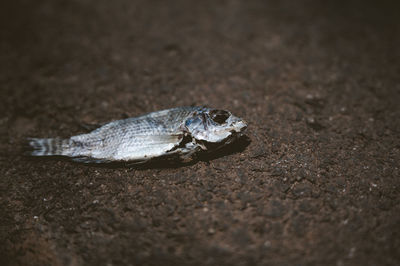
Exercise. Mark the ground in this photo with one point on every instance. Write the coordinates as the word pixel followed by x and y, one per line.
pixel 316 181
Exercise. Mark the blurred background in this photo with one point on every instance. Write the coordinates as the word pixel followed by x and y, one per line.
pixel 318 82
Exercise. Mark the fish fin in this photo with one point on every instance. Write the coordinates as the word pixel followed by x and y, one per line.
pixel 160 139
pixel 90 126
pixel 47 147
pixel 85 159
pixel 137 163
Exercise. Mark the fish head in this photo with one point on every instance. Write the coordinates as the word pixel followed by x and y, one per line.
pixel 215 126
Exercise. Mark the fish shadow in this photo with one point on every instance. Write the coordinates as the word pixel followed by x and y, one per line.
pixel 237 146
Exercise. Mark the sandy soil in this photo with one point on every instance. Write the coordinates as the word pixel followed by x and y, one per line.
pixel 315 183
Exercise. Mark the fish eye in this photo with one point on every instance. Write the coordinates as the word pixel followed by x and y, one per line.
pixel 219 116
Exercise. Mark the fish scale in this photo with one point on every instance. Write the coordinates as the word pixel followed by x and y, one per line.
pixel 156 134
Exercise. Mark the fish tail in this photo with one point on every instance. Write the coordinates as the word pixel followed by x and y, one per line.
pixel 48 147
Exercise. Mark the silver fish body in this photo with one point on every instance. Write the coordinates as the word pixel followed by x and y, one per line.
pixel 181 132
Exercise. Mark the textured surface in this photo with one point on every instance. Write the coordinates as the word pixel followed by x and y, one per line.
pixel 317 81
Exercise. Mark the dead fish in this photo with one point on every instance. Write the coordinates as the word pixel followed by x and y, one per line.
pixel 181 132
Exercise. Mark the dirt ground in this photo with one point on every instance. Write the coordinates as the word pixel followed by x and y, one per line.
pixel 316 181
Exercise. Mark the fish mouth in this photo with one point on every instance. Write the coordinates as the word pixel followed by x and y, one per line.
pixel 240 127
pixel 236 133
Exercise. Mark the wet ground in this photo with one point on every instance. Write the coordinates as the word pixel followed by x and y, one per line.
pixel 316 182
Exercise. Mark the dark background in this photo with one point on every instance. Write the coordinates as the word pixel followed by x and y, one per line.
pixel 317 81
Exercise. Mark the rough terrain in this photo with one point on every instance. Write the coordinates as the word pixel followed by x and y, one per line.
pixel 316 182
